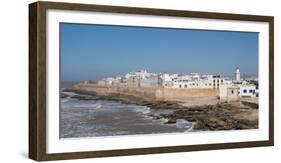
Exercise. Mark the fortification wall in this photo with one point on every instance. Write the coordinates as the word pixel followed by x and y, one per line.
pixel 143 93
pixel 162 94
pixel 184 94
pixel 99 90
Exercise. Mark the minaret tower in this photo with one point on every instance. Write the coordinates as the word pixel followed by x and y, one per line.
pixel 237 74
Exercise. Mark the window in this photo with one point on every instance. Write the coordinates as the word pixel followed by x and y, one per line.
pixel 185 86
pixel 250 91
pixel 214 81
pixel 180 85
pixel 254 92
pixel 245 91
pixel 232 92
pixel 221 81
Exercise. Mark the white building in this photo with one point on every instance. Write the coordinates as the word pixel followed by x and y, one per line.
pixel 249 90
pixel 141 74
pixel 237 74
pixel 166 80
pixel 149 82
pixel 142 78
pixel 197 81
pixel 217 81
pixel 195 76
pixel 245 89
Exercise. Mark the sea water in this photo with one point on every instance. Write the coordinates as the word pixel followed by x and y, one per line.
pixel 92 118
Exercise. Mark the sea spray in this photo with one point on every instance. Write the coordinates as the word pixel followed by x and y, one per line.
pixel 93 118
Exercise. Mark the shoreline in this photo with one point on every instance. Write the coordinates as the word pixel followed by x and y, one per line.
pixel 220 116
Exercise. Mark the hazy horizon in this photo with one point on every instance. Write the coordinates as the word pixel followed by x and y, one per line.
pixel 92 52
pixel 225 75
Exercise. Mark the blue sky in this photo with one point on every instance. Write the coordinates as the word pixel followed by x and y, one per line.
pixel 96 51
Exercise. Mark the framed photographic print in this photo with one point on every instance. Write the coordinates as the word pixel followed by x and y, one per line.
pixel 112 81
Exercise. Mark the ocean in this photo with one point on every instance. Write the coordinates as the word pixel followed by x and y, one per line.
pixel 95 117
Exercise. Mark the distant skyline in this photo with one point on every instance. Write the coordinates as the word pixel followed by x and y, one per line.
pixel 92 52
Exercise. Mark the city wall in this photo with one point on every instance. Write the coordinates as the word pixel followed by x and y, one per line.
pixel 159 94
pixel 175 94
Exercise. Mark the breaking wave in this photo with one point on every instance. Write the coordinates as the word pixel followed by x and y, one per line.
pixel 66 99
pixel 142 109
pixel 90 106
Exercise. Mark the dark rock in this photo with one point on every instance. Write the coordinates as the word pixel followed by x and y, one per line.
pixel 223 116
pixel 170 121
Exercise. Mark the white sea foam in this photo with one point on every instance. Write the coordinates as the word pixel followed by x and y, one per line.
pixel 163 120
pixel 65 99
pixel 127 119
pixel 190 128
pixel 182 123
pixel 142 109
pixel 70 93
pixel 90 106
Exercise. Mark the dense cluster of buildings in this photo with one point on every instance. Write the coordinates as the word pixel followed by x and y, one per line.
pixel 228 87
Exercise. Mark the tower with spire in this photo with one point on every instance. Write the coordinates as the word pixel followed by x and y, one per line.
pixel 237 74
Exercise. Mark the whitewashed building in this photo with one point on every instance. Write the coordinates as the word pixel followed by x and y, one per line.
pixel 237 74
pixel 144 79
pixel 244 88
pixel 139 74
pixel 193 80
pixel 167 80
pixel 149 82
pixel 248 91
pixel 197 81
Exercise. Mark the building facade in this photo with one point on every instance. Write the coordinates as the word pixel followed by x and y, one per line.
pixel 248 91
pixel 229 89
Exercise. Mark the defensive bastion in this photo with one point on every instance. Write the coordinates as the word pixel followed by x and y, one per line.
pixel 157 94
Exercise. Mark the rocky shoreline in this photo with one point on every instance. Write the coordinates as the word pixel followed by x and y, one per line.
pixel 218 117
pixel 221 116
